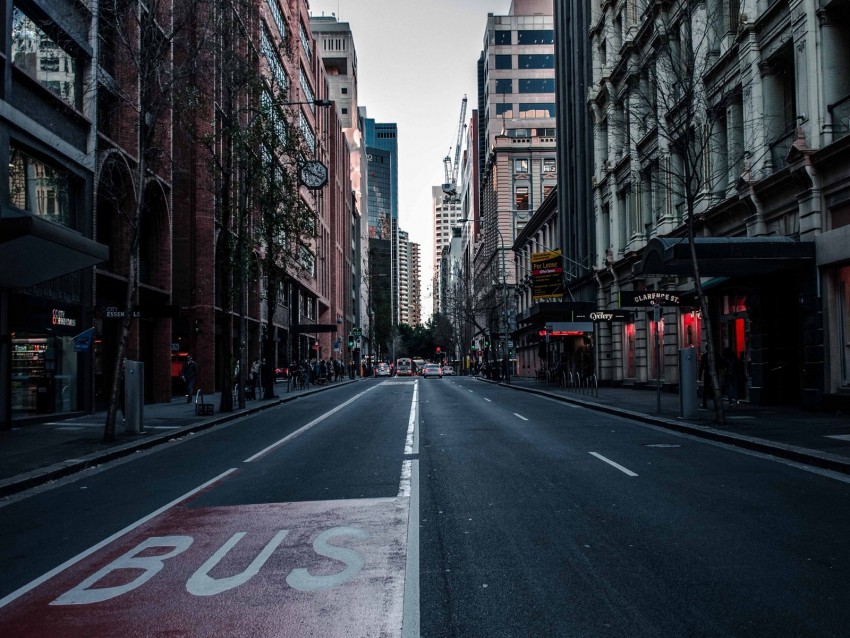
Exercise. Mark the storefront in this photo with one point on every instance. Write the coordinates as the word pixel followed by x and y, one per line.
pixel 45 367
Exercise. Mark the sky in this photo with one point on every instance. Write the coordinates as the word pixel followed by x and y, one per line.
pixel 416 59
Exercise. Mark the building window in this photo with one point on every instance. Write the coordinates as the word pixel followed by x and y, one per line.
pixel 274 9
pixel 545 85
pixel 504 110
pixel 503 37
pixel 521 165
pixel 504 86
pixel 522 199
pixel 40 189
pixel 305 42
pixel 536 110
pixel 34 52
pixel 344 90
pixel 548 164
pixel 536 61
pixel 531 36
pixel 504 61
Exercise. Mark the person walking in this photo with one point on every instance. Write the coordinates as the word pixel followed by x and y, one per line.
pixel 189 375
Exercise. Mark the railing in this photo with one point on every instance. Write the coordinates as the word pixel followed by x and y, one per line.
pixel 780 148
pixel 840 113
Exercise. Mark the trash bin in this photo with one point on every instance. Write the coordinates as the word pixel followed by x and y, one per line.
pixel 688 402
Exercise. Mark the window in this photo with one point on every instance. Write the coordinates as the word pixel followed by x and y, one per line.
pixel 536 61
pixel 534 109
pixel 40 189
pixel 308 91
pixel 35 53
pixel 521 165
pixel 504 110
pixel 344 90
pixel 522 201
pixel 548 164
pixel 305 42
pixel 504 61
pixel 546 85
pixel 504 86
pixel 503 37
pixel 274 9
pixel 531 36
pixel 544 132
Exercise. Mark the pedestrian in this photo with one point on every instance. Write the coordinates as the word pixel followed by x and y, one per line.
pixel 255 376
pixel 189 376
pixel 705 375
pixel 730 375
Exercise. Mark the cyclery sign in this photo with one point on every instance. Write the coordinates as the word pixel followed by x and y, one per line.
pixel 631 298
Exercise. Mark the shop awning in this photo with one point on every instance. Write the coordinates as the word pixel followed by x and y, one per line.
pixel 724 256
pixel 33 250
pixel 541 313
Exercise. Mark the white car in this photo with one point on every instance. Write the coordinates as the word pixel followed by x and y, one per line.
pixel 432 370
pixel 448 371
pixel 383 370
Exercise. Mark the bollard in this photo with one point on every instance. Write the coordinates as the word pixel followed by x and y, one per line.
pixel 688 404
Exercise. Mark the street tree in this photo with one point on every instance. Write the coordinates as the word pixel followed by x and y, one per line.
pixel 678 128
pixel 141 39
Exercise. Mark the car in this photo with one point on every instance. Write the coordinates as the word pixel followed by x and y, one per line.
pixel 383 370
pixel 432 370
pixel 448 371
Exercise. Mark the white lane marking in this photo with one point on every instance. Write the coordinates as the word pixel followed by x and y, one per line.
pixel 304 428
pixel 470 390
pixel 611 463
pixel 411 445
pixel 95 548
pixel 520 416
pixel 840 437
pixel 487 400
pixel 410 615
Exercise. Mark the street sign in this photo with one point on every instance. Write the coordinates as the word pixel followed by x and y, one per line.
pixel 357 332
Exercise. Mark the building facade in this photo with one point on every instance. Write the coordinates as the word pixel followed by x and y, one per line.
pixel 763 149
pixel 49 149
pixel 516 117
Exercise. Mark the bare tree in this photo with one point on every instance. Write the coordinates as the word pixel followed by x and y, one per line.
pixel 142 38
pixel 680 126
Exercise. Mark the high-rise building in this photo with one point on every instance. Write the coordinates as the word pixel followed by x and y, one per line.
pixel 335 45
pixel 404 273
pixel 447 213
pixel 516 119
pixel 415 284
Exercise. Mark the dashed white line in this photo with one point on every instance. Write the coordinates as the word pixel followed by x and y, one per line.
pixel 520 416
pixel 487 400
pixel 613 464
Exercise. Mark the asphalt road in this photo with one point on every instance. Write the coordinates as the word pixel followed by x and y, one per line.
pixel 438 507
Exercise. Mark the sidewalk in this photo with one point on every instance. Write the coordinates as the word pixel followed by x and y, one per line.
pixel 813 438
pixel 35 454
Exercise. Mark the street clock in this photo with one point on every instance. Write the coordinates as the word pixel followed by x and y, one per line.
pixel 313 174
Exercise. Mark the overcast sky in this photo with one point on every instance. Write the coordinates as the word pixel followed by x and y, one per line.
pixel 416 59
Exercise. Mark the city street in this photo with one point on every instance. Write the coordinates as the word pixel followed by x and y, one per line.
pixel 433 507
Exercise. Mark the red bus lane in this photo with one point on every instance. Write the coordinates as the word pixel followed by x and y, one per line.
pixel 333 568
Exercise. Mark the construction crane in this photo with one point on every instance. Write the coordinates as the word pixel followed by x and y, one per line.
pixel 452 167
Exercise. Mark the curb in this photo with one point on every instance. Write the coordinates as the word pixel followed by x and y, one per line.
pixel 823 460
pixel 56 471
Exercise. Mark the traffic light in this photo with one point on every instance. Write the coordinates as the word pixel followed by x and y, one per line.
pixel 438 349
pixel 472 347
pixel 350 340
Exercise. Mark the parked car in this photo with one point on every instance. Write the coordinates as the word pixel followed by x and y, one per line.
pixel 432 370
pixel 448 371
pixel 383 370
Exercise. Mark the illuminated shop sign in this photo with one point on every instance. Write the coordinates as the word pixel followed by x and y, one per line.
pixel 59 318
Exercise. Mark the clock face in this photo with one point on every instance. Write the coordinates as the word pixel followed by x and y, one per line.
pixel 313 174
